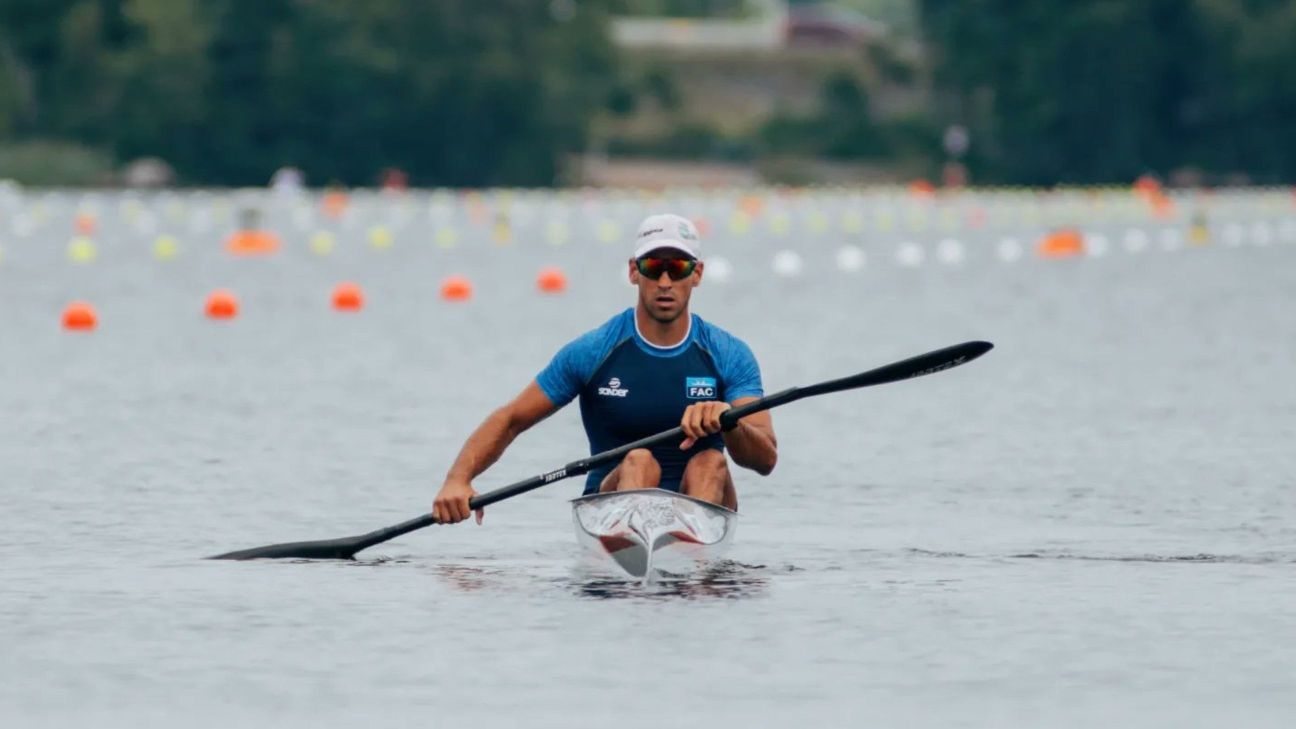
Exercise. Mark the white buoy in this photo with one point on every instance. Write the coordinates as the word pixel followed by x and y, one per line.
pixel 1096 244
pixel 1135 240
pixel 850 259
pixel 950 252
pixel 22 226
pixel 200 221
pixel 786 263
pixel 910 255
pixel 718 269
pixel 1233 235
pixel 1010 249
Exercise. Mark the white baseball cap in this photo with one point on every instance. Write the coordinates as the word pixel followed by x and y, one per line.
pixel 667 231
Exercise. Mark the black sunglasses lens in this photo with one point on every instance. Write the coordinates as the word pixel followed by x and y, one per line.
pixel 676 268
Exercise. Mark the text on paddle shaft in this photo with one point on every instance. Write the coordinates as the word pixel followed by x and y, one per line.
pixel 554 475
pixel 941 367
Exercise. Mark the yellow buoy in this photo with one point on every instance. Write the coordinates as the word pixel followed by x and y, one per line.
pixel 82 250
pixel 780 224
pixel 380 236
pixel 607 231
pixel 446 237
pixel 556 233
pixel 165 248
pixel 321 243
pixel 502 231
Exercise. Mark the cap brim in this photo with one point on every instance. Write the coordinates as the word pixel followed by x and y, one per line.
pixel 656 245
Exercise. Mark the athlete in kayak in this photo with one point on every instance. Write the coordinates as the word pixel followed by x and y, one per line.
pixel 648 369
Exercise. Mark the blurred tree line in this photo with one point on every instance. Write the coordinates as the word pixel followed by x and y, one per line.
pixel 1064 91
pixel 501 92
pixel 456 92
pixel 684 8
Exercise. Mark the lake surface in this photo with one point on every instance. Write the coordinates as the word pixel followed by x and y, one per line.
pixel 1094 523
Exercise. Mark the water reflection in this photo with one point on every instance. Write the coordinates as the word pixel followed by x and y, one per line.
pixel 469 579
pixel 723 580
pixel 1200 557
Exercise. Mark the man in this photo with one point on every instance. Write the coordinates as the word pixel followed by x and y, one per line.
pixel 648 369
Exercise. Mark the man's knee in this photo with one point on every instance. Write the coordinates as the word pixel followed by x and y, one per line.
pixel 638 470
pixel 639 458
pixel 709 461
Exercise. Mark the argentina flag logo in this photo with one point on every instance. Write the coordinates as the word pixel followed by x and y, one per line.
pixel 700 388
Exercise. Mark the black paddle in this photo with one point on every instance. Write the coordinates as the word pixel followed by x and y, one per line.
pixel 923 364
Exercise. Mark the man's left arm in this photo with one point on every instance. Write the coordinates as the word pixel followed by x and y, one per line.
pixel 751 444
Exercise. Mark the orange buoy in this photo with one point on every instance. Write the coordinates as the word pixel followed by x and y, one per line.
pixel 348 297
pixel 221 304
pixel 1162 205
pixel 1062 244
pixel 551 280
pixel 334 202
pixel 456 288
pixel 1147 185
pixel 921 188
pixel 79 316
pixel 252 242
pixel 85 224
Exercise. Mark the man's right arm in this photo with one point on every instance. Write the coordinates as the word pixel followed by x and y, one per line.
pixel 484 447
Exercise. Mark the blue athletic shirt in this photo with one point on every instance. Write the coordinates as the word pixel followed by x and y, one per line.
pixel 631 389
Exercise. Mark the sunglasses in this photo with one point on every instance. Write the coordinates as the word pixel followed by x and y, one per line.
pixel 676 268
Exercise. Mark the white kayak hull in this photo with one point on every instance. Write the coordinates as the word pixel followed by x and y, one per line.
pixel 652 530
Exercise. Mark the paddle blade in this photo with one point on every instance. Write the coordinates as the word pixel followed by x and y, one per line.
pixel 324 549
pixel 924 364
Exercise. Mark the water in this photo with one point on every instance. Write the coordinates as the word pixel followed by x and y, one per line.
pixel 1094 523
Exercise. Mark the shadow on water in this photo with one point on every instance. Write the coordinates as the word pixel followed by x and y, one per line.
pixel 723 580
pixel 1201 558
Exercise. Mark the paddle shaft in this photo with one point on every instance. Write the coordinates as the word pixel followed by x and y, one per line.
pixel 924 364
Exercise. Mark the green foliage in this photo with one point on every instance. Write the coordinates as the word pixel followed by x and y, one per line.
pixel 659 84
pixel 50 164
pixel 687 140
pixel 684 8
pixel 499 92
pixel 457 92
pixel 842 128
pixel 1059 91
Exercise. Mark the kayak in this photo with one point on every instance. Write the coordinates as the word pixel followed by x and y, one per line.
pixel 649 530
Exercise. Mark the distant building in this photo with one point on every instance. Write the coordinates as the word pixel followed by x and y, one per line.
pixel 828 24
pixel 775 26
pixel 765 31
